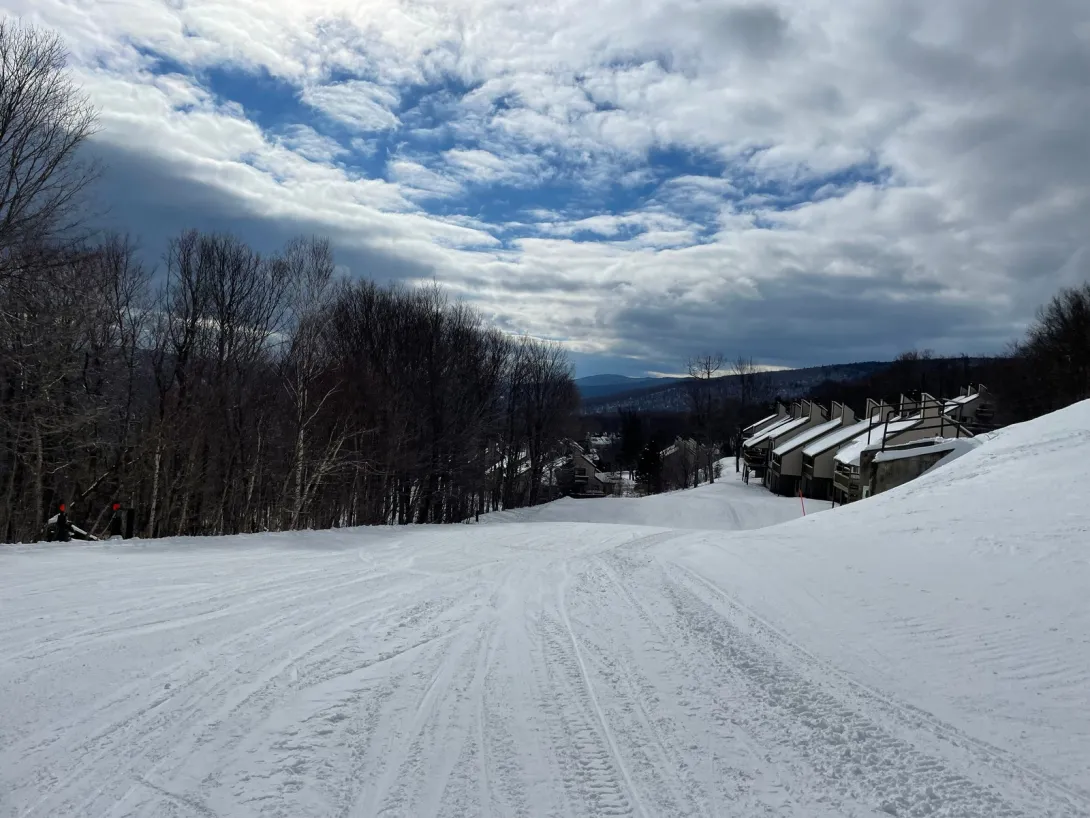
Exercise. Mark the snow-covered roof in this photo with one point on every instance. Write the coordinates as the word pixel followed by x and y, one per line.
pixel 760 422
pixel 850 453
pixel 837 437
pixel 761 435
pixel 802 438
pixel 929 445
pixel 963 400
pixel 775 431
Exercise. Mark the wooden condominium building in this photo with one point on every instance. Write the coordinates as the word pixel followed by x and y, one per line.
pixel 818 464
pixel 784 474
pixel 920 416
pixel 781 414
pixel 757 450
pixel 577 475
pixel 973 408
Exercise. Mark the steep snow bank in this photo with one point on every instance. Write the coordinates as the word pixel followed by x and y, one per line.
pixel 964 592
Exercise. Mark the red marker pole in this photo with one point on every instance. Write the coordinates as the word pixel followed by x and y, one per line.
pixel 62 525
pixel 115 522
pixel 802 503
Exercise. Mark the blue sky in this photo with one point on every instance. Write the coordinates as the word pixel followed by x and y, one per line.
pixel 797 182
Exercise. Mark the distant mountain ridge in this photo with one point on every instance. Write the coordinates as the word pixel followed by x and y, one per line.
pixel 605 380
pixel 599 386
pixel 668 394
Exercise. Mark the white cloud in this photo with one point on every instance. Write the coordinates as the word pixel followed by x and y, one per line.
pixel 976 111
pixel 362 106
pixel 423 181
pixel 218 147
pixel 310 144
pixel 484 167
pixel 638 228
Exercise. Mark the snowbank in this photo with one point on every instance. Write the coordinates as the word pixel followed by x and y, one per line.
pixel 963 592
pixel 952 447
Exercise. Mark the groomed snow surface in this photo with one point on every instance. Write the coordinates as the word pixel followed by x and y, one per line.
pixel 923 653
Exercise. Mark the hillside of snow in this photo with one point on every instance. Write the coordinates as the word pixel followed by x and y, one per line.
pixel 963 592
pixel 922 653
pixel 725 505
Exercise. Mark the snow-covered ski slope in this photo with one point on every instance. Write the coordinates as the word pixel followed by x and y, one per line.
pixel 726 505
pixel 923 653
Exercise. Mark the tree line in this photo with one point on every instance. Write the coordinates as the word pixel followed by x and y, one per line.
pixel 665 451
pixel 232 391
pixel 1046 370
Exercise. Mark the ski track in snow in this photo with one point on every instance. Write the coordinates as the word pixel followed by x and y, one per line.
pixel 527 669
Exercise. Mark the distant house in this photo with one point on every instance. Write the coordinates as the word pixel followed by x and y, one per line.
pixel 785 465
pixel 577 475
pixel 921 416
pixel 818 464
pixel 757 450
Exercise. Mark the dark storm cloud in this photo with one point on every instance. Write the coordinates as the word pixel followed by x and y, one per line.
pixel 139 195
pixel 809 320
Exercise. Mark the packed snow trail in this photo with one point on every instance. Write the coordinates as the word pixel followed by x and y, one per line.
pixel 725 505
pixel 567 669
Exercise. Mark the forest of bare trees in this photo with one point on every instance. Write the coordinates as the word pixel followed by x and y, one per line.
pixel 228 391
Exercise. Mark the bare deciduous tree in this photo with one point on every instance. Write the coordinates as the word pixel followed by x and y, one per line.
pixel 752 390
pixel 1058 347
pixel 750 378
pixel 249 392
pixel 704 400
pixel 44 120
pixel 305 369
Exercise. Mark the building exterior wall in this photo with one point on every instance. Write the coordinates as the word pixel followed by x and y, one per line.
pixel 888 474
pixel 818 488
pixel 785 484
pixel 785 476
pixel 757 458
pixel 791 463
pixel 824 464
pixel 582 478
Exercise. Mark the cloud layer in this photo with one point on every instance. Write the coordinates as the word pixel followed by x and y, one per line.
pixel 802 182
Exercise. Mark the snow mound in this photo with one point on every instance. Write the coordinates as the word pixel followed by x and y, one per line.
pixel 964 591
